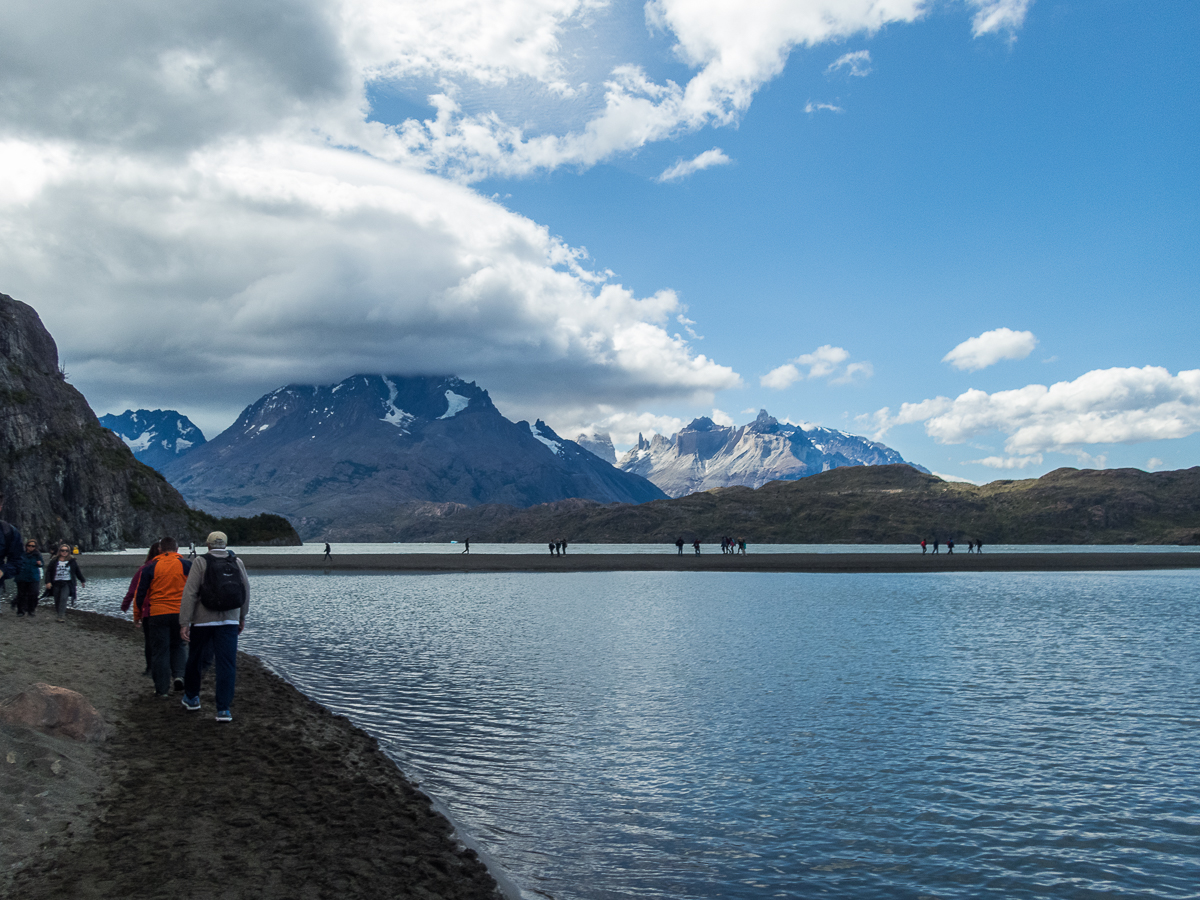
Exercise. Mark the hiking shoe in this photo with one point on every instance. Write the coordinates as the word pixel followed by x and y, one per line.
pixel 191 703
pixel 177 684
pixel 162 696
pixel 224 715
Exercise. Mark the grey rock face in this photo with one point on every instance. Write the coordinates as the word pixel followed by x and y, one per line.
pixel 346 455
pixel 705 455
pixel 64 477
pixel 601 444
pixel 156 436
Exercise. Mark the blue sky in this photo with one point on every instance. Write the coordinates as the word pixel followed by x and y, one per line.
pixel 410 190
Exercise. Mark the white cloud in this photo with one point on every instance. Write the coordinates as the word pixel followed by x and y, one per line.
pixel 1105 406
pixel 826 361
pixel 1153 464
pixel 858 62
pixel 706 160
pixel 954 478
pixel 624 427
pixel 720 417
pixel 811 107
pixel 998 15
pixel 1008 462
pixel 732 48
pixel 989 348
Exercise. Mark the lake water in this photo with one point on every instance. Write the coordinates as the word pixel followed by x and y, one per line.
pixel 689 735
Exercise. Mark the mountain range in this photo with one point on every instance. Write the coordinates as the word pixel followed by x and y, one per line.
pixel 705 455
pixel 353 452
pixel 156 436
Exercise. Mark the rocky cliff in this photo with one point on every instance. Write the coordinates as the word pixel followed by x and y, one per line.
pixel 64 477
pixel 705 455
pixel 345 457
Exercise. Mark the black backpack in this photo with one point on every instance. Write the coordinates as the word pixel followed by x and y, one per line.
pixel 223 588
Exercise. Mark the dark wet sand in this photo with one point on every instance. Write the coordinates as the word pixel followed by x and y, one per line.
pixel 1067 561
pixel 287 801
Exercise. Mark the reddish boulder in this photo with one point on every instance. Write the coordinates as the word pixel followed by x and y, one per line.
pixel 54 711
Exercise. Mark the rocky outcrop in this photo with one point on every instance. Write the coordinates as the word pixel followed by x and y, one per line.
pixel 64 476
pixel 156 436
pixel 55 711
pixel 343 458
pixel 705 455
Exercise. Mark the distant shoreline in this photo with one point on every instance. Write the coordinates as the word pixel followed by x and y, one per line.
pixel 667 561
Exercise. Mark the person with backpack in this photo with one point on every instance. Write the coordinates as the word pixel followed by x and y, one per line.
pixel 213 613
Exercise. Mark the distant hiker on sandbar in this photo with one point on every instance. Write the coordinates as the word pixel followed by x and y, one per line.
pixel 979 546
pixel 922 546
pixel 679 545
pixel 553 548
pixel 467 546
pixel 328 552
pixel 696 546
pixel 950 546
pixel 935 545
pixel 970 546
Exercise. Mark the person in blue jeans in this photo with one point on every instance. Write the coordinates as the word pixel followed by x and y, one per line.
pixel 204 625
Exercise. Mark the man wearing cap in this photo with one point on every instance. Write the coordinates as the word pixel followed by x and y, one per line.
pixel 203 624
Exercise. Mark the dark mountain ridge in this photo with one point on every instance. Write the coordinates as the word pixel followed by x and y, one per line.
pixel 857 505
pixel 347 455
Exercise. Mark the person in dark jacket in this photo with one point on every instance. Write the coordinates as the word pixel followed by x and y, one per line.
pixel 61 577
pixel 29 579
pixel 155 549
pixel 11 550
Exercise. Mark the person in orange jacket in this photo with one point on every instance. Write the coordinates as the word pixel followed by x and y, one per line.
pixel 159 592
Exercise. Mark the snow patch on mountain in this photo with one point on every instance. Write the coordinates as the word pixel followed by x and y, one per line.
pixel 393 415
pixel 555 447
pixel 457 403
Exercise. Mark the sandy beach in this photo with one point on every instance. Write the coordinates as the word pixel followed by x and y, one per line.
pixel 287 801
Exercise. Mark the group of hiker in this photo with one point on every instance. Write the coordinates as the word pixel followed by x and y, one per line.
pixel 34 578
pixel 728 546
pixel 558 548
pixel 972 546
pixel 191 612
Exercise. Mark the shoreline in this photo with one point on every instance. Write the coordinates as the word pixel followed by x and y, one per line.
pixel 883 563
pixel 307 805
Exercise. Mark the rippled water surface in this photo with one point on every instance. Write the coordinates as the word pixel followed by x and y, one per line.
pixel 763 735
